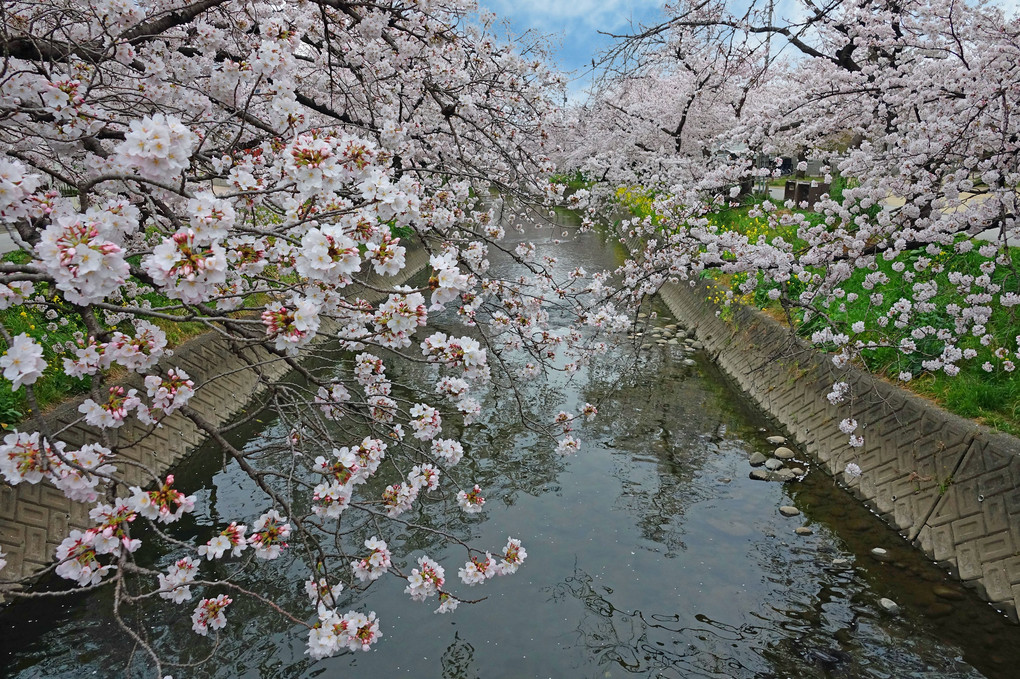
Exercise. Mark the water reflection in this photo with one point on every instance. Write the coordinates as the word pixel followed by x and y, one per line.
pixel 458 660
pixel 631 642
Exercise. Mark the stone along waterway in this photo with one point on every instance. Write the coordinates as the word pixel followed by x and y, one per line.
pixel 651 553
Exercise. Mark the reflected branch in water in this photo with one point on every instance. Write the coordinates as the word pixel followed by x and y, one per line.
pixel 459 659
pixel 640 643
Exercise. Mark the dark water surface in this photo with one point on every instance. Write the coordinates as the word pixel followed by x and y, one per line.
pixel 651 553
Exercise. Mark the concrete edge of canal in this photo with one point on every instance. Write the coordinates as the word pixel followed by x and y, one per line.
pixel 947 484
pixel 35 518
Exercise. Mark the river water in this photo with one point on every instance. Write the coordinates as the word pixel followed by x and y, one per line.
pixel 651 554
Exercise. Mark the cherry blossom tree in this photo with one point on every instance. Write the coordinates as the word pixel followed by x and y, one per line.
pixel 910 104
pixel 661 108
pixel 244 165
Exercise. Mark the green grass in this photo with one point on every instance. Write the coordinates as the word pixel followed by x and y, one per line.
pixel 573 181
pixel 54 385
pixel 993 400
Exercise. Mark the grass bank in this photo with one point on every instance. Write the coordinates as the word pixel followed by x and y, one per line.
pixel 986 388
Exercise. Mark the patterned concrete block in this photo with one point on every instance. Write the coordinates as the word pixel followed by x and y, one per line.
pixel 1010 567
pixel 8 503
pixel 997 518
pixel 79 514
pixel 889 475
pixel 32 514
pixel 945 510
pixel 910 509
pixel 57 525
pixel 968 560
pixel 36 548
pixel 883 499
pixel 1016 598
pixel 996 582
pixel 29 492
pixel 13 535
pixel 54 499
pixel 968 498
pixel 968 528
pixel 924 540
pixel 996 546
pixel 998 482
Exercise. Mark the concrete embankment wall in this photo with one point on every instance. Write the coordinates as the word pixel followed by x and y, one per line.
pixel 34 519
pixel 945 483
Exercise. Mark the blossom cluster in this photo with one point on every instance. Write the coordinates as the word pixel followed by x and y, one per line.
pixel 78 473
pixel 334 632
pixel 209 614
pixel 22 362
pixel 479 569
pixel 269 534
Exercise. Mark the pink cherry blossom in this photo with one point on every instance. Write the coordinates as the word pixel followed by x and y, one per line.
pixel 22 362
pixel 165 504
pixel 209 614
pixel 269 534
pixel 375 564
pixel 26 457
pixel 426 580
pixel 471 501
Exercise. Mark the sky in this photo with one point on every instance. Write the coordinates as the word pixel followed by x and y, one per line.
pixel 575 25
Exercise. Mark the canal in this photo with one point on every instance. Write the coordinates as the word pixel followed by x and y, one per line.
pixel 651 552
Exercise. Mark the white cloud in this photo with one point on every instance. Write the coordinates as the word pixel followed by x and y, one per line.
pixel 570 15
pixel 574 25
